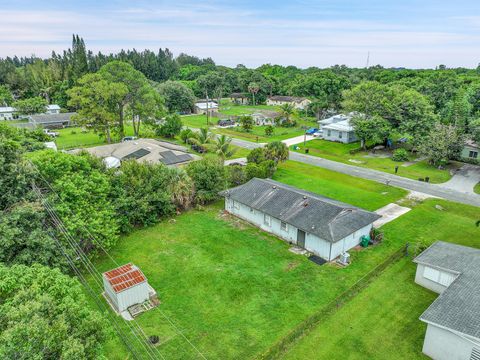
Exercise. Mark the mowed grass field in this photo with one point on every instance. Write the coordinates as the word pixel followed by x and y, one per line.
pixel 341 152
pixel 381 322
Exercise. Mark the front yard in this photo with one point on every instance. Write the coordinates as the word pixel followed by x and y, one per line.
pixel 413 169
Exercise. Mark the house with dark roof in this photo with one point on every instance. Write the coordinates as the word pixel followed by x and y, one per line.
pixel 126 286
pixel 299 103
pixel 323 226
pixel 453 319
pixel 51 120
pixel 239 98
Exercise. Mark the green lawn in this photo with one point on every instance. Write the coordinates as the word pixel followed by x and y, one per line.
pixel 340 152
pixel 359 192
pixel 379 323
pixel 382 321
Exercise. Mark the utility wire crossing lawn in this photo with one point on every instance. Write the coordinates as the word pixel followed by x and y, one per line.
pixel 234 290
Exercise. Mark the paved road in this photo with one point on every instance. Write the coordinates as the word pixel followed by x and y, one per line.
pixel 378 176
pixel 464 179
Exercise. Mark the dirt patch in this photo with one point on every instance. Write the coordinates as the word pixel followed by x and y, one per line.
pixel 291 266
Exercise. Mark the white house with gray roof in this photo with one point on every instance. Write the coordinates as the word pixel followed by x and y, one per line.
pixel 338 128
pixel 453 319
pixel 321 225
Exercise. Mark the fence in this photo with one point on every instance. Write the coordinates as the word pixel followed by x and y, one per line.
pixel 303 328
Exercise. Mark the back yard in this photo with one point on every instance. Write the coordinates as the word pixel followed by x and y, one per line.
pixel 413 169
pixel 234 290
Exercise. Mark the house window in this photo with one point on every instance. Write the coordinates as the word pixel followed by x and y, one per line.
pixel 267 220
pixel 473 154
pixel 283 226
pixel 340 134
pixel 252 210
pixel 329 132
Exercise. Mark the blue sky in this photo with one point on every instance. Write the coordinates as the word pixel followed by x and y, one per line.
pixel 408 33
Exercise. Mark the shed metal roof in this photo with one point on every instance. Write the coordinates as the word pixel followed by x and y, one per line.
pixel 458 307
pixel 328 219
pixel 124 277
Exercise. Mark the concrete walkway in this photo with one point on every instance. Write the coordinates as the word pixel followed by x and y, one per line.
pixel 297 140
pixel 464 179
pixel 389 213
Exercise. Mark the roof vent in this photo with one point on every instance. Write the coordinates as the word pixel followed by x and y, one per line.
pixel 274 186
pixel 304 197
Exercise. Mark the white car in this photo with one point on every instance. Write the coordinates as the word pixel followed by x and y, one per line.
pixel 318 133
pixel 50 133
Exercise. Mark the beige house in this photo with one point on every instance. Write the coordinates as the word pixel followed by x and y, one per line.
pixel 299 103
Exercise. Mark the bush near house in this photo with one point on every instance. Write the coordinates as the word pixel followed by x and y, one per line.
pixel 400 155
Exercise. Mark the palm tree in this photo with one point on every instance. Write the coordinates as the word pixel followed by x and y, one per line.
pixel 223 147
pixel 202 138
pixel 181 188
pixel 276 151
pixel 286 110
pixel 253 88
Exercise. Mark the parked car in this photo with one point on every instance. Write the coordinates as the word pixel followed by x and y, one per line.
pixel 318 133
pixel 311 131
pixel 51 133
pixel 129 138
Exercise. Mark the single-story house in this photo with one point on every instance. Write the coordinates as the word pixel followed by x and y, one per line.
pixel 299 103
pixel 142 150
pixel 53 109
pixel 265 117
pixel 470 151
pixel 239 98
pixel 333 119
pixel 202 106
pixel 126 286
pixel 453 319
pixel 51 120
pixel 341 131
pixel 7 113
pixel 325 227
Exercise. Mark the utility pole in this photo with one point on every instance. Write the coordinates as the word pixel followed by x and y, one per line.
pixel 206 95
pixel 368 60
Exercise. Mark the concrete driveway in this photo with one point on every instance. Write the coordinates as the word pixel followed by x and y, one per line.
pixel 297 140
pixel 464 179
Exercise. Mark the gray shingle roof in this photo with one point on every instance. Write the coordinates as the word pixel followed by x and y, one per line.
pixel 458 307
pixel 287 98
pixel 51 118
pixel 328 219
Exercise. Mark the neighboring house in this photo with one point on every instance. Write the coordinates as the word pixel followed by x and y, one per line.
pixel 54 120
pixel 239 98
pixel 471 151
pixel 126 286
pixel 453 319
pixel 53 109
pixel 7 113
pixel 265 117
pixel 338 128
pixel 299 103
pixel 142 150
pixel 325 227
pixel 202 106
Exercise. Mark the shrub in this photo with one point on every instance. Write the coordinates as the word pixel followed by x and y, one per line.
pixel 171 127
pixel 208 176
pixel 236 175
pixel 400 155
pixel 269 130
pixel 256 156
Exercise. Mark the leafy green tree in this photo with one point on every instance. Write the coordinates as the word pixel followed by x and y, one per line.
pixel 475 130
pixel 246 121
pixel 370 98
pixel 44 314
pixel 180 187
pixel 212 84
pixel 146 108
pixel 96 100
pixel 178 97
pixel 374 129
pixel 223 147
pixel 209 178
pixel 256 156
pixel 269 130
pixel 443 143
pixel 276 151
pixel 286 111
pixel 318 106
pixel 171 127
pixel 81 196
pixel 458 111
pixel 186 134
pixel 6 97
pixel 236 175
pixel 34 105
pixel 140 194
pixel 26 237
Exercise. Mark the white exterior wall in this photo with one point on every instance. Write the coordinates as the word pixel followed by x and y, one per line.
pixel 347 136
pixel 349 241
pixel 126 298
pixel 297 105
pixel 442 344
pixel 313 243
pixel 445 278
pixel 6 116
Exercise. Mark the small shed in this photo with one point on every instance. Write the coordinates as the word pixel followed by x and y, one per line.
pixel 126 286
